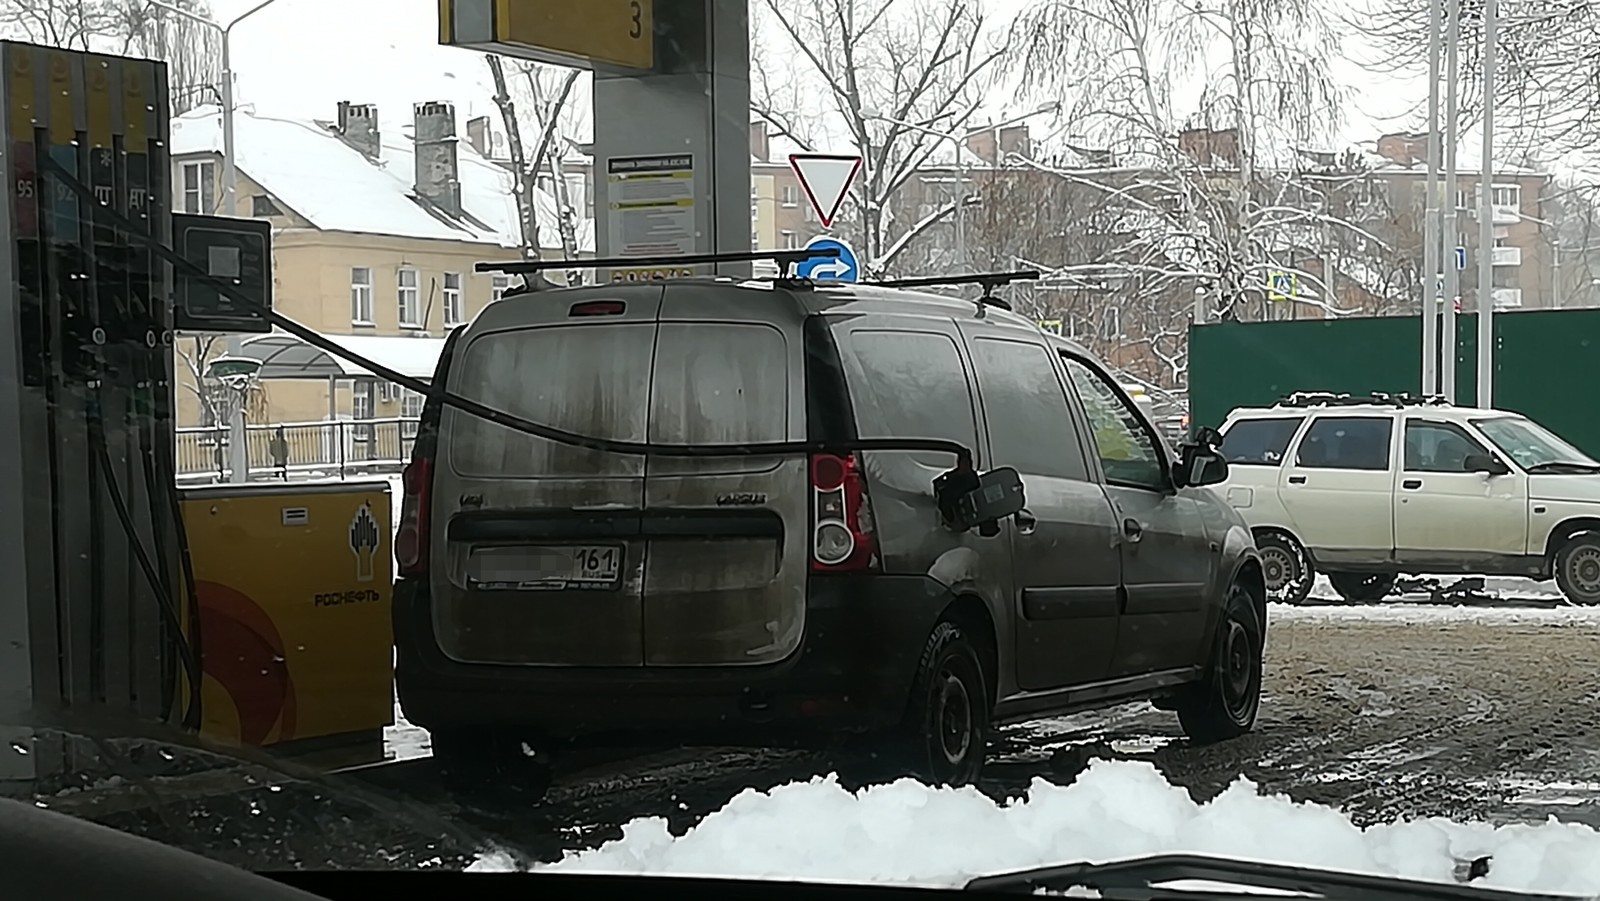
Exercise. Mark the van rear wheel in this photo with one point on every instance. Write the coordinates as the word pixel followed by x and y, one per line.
pixel 489 767
pixel 946 731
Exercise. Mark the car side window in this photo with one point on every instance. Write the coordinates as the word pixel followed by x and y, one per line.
pixel 1127 451
pixel 918 384
pixel 1439 447
pixel 1259 442
pixel 1346 442
pixel 1025 404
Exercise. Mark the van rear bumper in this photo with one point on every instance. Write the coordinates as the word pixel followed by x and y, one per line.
pixel 863 639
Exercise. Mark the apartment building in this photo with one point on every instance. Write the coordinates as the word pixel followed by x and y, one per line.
pixel 376 231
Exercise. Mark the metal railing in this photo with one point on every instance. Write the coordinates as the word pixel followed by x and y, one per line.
pixel 299 450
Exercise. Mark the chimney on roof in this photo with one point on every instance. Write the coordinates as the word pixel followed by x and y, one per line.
pixel 481 136
pixel 982 144
pixel 760 141
pixel 438 179
pixel 1405 148
pixel 1015 139
pixel 358 127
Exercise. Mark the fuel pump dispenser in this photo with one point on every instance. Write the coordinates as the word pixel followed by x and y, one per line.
pixel 94 602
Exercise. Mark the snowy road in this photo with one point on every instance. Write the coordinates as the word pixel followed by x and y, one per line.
pixel 1381 712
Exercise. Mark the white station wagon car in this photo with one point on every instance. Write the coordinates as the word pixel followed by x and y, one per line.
pixel 1363 489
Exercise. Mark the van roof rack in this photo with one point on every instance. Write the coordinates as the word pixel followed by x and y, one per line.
pixel 989 281
pixel 784 259
pixel 1376 398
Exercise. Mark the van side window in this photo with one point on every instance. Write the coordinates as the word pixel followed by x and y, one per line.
pixel 1439 447
pixel 1346 442
pixel 1259 442
pixel 918 385
pixel 1025 404
pixel 1128 453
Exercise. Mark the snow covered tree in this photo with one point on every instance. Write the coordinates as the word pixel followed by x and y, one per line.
pixel 192 52
pixel 894 77
pixel 1212 178
pixel 541 119
pixel 1545 99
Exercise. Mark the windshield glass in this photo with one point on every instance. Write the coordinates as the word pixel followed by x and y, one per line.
pixel 389 392
pixel 1528 443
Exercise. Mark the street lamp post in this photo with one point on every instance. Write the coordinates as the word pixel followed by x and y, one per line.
pixel 238 449
pixel 1451 230
pixel 1486 218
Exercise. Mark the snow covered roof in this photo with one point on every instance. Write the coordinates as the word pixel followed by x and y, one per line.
pixel 332 185
pixel 284 356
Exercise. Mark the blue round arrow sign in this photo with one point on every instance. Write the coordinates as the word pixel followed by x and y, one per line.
pixel 842 268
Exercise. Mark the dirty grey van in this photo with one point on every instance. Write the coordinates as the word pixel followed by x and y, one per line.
pixel 550 594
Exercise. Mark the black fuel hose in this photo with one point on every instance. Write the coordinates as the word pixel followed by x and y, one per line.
pixel 963 455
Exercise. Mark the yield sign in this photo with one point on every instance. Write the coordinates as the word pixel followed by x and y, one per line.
pixel 826 179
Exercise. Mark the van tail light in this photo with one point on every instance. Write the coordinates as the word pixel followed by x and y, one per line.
pixel 411 539
pixel 842 538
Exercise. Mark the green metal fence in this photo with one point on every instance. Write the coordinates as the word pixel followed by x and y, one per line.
pixel 1547 364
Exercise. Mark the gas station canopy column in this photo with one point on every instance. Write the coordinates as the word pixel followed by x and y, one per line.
pixel 671 112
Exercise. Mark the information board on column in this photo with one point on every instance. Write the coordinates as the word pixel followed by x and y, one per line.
pixel 653 208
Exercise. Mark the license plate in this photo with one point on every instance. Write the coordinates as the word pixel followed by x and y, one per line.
pixel 555 568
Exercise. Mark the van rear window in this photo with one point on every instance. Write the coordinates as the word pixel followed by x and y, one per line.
pixel 593 380
pixel 720 383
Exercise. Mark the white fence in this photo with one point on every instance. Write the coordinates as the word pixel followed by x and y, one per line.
pixel 299 450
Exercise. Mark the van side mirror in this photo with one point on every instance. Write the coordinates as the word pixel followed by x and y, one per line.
pixel 968 499
pixel 1488 464
pixel 1200 462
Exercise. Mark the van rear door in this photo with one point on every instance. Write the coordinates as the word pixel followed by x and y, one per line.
pixel 538 556
pixel 725 574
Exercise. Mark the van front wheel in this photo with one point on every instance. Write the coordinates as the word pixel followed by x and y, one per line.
pixel 947 723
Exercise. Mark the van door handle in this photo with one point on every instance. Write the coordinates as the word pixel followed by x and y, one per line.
pixel 1411 483
pixel 1297 480
pixel 1026 522
pixel 1133 529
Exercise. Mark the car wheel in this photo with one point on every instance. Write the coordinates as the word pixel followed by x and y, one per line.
pixel 489 767
pixel 947 725
pixel 1224 704
pixel 1577 567
pixel 1285 567
pixel 1362 588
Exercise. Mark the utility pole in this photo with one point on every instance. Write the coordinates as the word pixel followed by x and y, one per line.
pixel 238 439
pixel 1430 227
pixel 1486 217
pixel 1452 230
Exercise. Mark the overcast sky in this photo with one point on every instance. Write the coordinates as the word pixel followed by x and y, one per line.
pixel 299 58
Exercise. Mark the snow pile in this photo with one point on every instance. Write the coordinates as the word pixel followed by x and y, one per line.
pixel 911 834
pixel 1418 614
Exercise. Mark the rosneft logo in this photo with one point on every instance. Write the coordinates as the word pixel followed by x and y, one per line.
pixel 364 540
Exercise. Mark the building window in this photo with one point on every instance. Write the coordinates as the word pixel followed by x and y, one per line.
pixel 410 411
pixel 360 409
pixel 454 312
pixel 791 195
pixel 790 240
pixel 361 296
pixel 1464 199
pixel 1507 195
pixel 406 300
pixel 200 187
pixel 499 287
